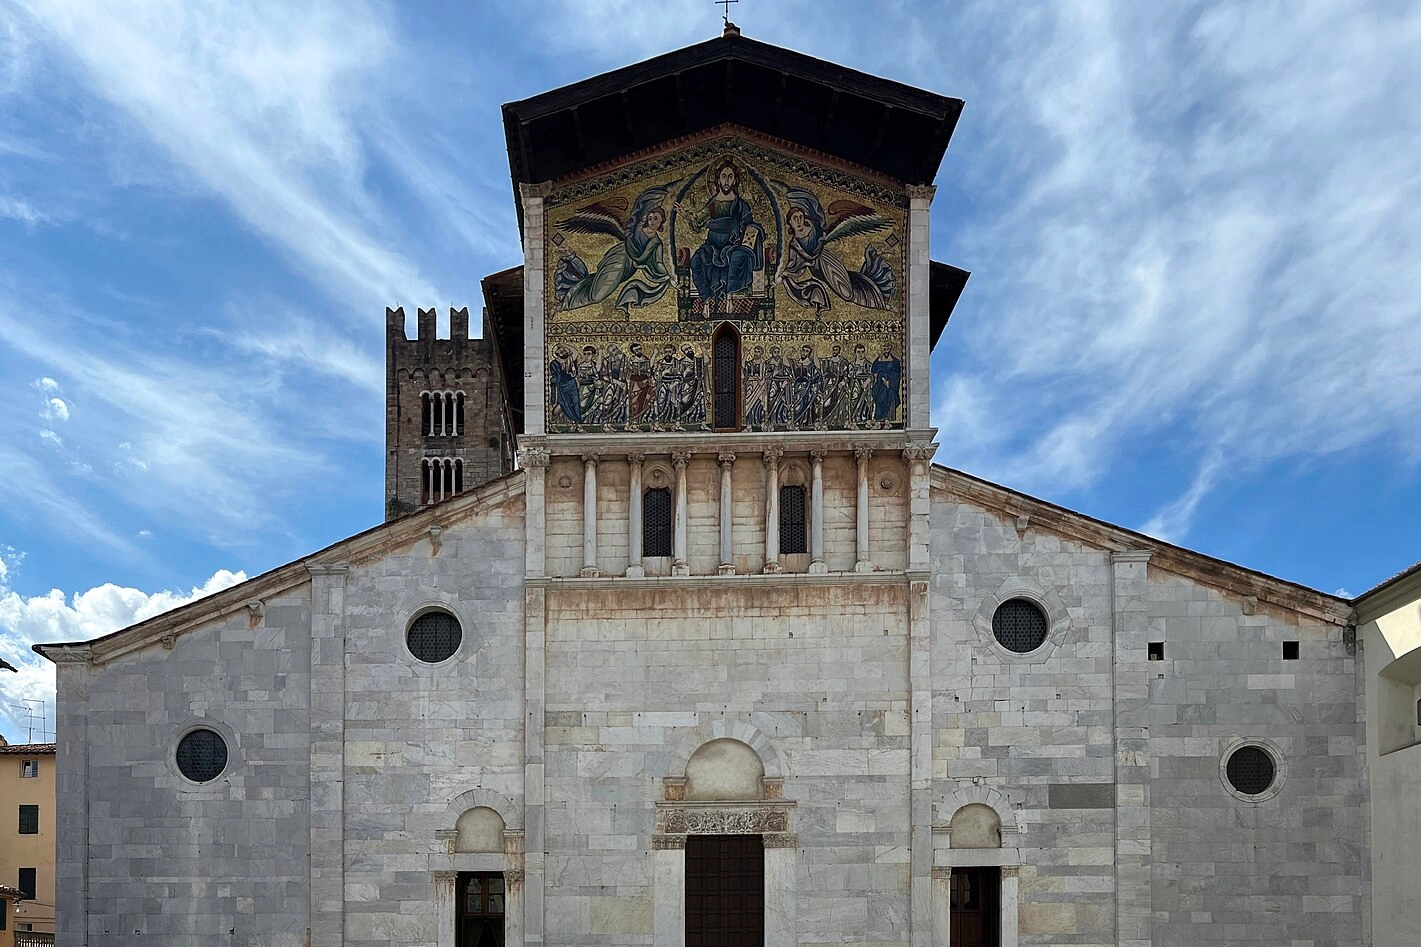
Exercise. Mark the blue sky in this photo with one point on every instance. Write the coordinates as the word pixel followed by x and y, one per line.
pixel 1194 232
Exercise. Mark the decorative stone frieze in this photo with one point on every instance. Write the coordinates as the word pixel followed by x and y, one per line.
pixel 754 820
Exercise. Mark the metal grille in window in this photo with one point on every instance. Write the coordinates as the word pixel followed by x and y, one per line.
pixel 656 522
pixel 29 820
pixel 202 755
pixel 434 637
pixel 792 520
pixel 727 378
pixel 1250 770
pixel 1019 625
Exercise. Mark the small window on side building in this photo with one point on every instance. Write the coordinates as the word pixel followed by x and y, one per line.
pixel 29 820
pixel 27 883
pixel 29 769
pixel 1156 651
pixel 1290 651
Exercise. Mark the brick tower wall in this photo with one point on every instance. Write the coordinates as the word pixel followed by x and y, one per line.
pixel 427 363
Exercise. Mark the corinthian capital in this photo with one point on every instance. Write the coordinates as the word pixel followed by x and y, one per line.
pixel 533 458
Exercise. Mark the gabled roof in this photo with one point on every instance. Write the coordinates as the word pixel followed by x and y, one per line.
pixel 27 749
pixel 364 545
pixel 887 127
pixel 1207 570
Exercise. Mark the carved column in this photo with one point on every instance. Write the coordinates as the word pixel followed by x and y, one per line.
pixel 634 511
pixel 1011 909
pixel 444 893
pixel 589 516
pixel 668 890
pixel 862 563
pixel 816 513
pixel 942 906
pixel 727 541
pixel 679 563
pixel 772 508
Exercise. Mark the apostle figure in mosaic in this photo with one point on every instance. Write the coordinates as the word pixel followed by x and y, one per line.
pixel 667 371
pixel 835 371
pixel 634 267
pixel 562 384
pixel 812 270
pixel 887 386
pixel 779 389
pixel 861 380
pixel 691 394
pixel 734 248
pixel 587 384
pixel 641 384
pixel 754 390
pixel 807 385
pixel 612 388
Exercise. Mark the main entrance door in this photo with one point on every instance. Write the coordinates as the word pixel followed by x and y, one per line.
pixel 975 907
pixel 479 910
pixel 725 891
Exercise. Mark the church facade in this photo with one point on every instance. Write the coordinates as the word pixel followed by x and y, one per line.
pixel 727 658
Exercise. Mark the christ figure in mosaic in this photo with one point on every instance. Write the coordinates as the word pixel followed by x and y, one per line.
pixel 734 248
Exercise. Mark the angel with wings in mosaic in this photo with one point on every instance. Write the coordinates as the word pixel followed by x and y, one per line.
pixel 634 267
pixel 811 270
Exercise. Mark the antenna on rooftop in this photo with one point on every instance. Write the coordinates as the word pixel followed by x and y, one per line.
pixel 34 721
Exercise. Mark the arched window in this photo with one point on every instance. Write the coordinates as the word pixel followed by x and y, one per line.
pixel 458 412
pixel 441 413
pixel 656 522
pixel 792 510
pixel 441 478
pixel 426 412
pixel 725 378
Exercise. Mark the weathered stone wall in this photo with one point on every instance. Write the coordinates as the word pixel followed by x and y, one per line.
pixel 418 735
pixel 171 863
pixel 459 364
pixel 636 677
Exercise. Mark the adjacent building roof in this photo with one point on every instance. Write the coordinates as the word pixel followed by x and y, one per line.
pixel 883 126
pixel 1401 589
pixel 27 749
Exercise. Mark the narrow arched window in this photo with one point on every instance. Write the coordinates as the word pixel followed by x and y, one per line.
pixel 725 378
pixel 656 522
pixel 426 412
pixel 792 520
pixel 459 413
pixel 458 476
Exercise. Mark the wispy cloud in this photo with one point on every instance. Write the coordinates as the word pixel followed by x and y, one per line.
pixel 54 616
pixel 259 102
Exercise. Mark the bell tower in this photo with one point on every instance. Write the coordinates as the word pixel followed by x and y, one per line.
pixel 447 424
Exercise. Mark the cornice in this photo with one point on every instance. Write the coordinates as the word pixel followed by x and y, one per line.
pixel 1122 543
pixel 748 581
pixel 568 445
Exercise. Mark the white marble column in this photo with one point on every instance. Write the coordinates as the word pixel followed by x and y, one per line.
pixel 679 563
pixel 917 407
pixel 512 907
pixel 444 893
pixel 862 563
pixel 668 890
pixel 942 907
pixel 589 516
pixel 635 570
pixel 772 508
pixel 1011 909
pixel 727 539
pixel 816 514
pixel 781 874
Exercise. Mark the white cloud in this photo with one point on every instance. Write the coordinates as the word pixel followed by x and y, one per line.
pixel 20 210
pixel 49 437
pixel 54 616
pixel 56 409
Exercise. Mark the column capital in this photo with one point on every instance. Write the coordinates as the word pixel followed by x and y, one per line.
pixel 781 840
pixel 636 458
pixel 532 458
pixel 917 192
pixel 1011 871
pixel 919 453
pixel 680 458
pixel 590 458
pixel 942 871
pixel 667 842
pixel 725 458
pixel 862 452
pixel 817 455
pixel 445 877
pixel 772 455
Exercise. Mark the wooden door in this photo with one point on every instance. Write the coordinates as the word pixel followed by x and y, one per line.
pixel 725 891
pixel 478 918
pixel 975 911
